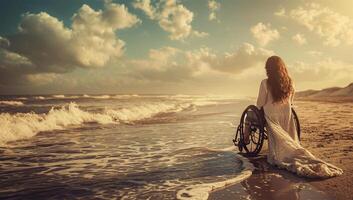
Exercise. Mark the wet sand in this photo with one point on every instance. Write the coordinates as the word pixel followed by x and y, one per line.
pixel 269 182
pixel 327 132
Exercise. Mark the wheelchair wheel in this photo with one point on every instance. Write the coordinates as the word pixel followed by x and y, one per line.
pixel 296 121
pixel 252 118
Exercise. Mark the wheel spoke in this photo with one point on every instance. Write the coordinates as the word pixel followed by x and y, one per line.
pixel 252 122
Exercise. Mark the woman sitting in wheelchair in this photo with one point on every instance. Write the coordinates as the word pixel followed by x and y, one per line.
pixel 276 97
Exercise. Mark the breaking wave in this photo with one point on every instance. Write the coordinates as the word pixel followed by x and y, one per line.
pixel 11 103
pixel 84 96
pixel 59 96
pixel 39 97
pixel 25 125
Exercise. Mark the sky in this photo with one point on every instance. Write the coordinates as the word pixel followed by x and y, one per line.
pixel 171 46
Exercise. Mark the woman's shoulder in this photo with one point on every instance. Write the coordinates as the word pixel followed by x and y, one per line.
pixel 264 82
pixel 263 85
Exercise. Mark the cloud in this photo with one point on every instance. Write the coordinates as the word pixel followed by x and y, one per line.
pixel 333 27
pixel 166 64
pixel 299 39
pixel 245 57
pixel 41 79
pixel 43 44
pixel 170 69
pixel 264 34
pixel 281 12
pixel 171 64
pixel 213 7
pixel 4 43
pixel 314 53
pixel 12 66
pixel 320 74
pixel 172 17
pixel 146 7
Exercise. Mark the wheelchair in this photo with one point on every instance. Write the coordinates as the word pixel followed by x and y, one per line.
pixel 255 121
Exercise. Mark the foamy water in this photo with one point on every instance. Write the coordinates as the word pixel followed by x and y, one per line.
pixel 11 103
pixel 118 146
pixel 25 125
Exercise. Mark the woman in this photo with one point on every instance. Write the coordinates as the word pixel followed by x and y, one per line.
pixel 276 97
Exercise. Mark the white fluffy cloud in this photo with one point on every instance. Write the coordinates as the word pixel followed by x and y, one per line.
pixel 44 45
pixel 146 6
pixel 94 33
pixel 213 7
pixel 264 34
pixel 299 39
pixel 172 17
pixel 333 27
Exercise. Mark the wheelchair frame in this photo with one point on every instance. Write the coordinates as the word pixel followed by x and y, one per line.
pixel 257 133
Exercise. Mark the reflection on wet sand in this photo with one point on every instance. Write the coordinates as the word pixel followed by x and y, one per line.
pixel 268 182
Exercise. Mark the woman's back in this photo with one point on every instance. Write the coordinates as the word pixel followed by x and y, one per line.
pixel 279 112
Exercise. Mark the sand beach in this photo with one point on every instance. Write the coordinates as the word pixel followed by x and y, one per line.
pixel 326 132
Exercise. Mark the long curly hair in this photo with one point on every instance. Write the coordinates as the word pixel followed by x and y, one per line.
pixel 279 82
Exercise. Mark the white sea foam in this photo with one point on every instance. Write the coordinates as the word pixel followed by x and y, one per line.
pixel 21 98
pixel 201 191
pixel 96 96
pixel 59 96
pixel 11 103
pixel 21 126
pixel 101 97
pixel 39 97
pixel 125 96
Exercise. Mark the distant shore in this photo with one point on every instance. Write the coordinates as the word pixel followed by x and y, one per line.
pixel 333 94
pixel 326 99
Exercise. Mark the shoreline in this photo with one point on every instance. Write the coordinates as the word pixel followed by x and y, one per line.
pixel 203 191
pixel 329 136
pixel 270 182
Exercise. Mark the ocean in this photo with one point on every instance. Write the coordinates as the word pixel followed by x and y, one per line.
pixel 119 146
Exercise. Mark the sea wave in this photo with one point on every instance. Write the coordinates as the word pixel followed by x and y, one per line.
pixel 39 97
pixel 105 96
pixel 101 97
pixel 179 97
pixel 21 98
pixel 11 103
pixel 118 96
pixel 59 96
pixel 25 125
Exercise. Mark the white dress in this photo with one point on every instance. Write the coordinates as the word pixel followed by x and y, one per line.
pixel 285 150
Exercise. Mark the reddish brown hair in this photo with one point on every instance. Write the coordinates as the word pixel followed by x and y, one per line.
pixel 279 82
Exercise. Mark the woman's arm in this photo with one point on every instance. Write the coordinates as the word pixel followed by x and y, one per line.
pixel 292 95
pixel 292 98
pixel 262 97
